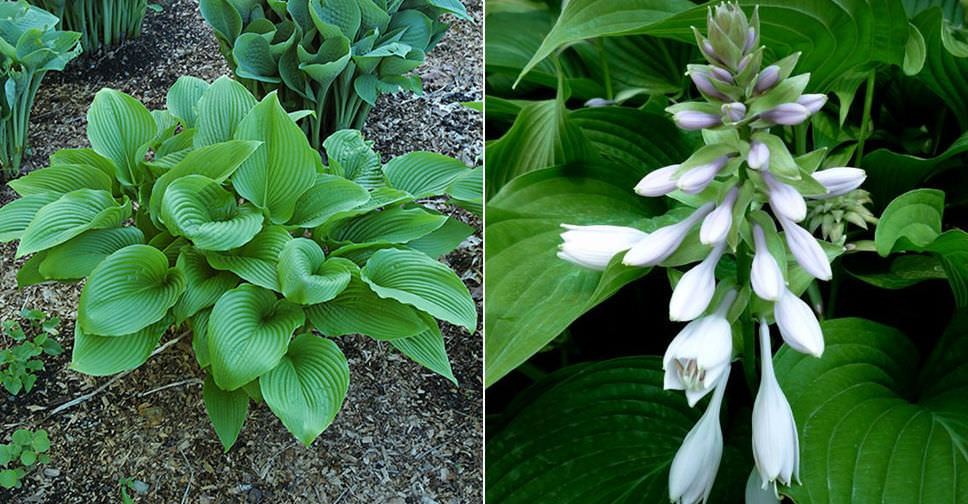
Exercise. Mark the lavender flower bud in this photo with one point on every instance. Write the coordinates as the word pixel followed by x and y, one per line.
pixel 806 250
pixel 734 111
pixel 750 40
pixel 721 74
pixel 662 242
pixel 702 83
pixel 785 200
pixel 787 114
pixel 839 181
pixel 599 102
pixel 716 225
pixel 696 179
pixel 695 289
pixel 759 156
pixel 813 102
pixel 658 182
pixel 767 79
pixel 765 274
pixel 691 120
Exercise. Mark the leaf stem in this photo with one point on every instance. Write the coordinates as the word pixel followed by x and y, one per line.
pixel 865 125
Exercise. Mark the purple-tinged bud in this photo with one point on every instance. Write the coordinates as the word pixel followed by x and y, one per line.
pixel 767 79
pixel 813 102
pixel 743 63
pixel 692 120
pixel 787 114
pixel 765 275
pixel 759 156
pixel 716 225
pixel 721 74
pixel 839 181
pixel 599 102
pixel 658 182
pixel 696 179
pixel 703 84
pixel 785 200
pixel 695 289
pixel 709 52
pixel 661 243
pixel 734 111
pixel 750 40
pixel 806 250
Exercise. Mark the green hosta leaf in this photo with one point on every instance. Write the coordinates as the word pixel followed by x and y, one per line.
pixel 330 194
pixel 248 332
pixel 106 355
pixel 912 219
pixel 256 261
pixel 351 157
pixel 220 110
pixel 862 426
pixel 254 60
pixel 77 257
pixel 17 215
pixel 452 6
pixel 468 191
pixel 182 99
pixel 85 157
pixel 203 284
pixel 29 273
pixel 423 174
pixel 634 138
pixel 197 208
pixel 306 277
pixel 199 325
pixel 951 248
pixel 413 278
pixel 118 127
pixel 358 309
pixel 307 388
pixel 336 17
pixel 282 168
pixel 223 17
pixel 944 71
pixel 226 410
pixel 69 216
pixel 427 349
pixel 889 173
pixel 393 225
pixel 443 240
pixel 129 290
pixel 61 179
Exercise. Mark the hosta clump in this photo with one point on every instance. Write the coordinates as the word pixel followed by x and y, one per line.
pixel 727 186
pixel 102 23
pixel 332 57
pixel 30 46
pixel 216 214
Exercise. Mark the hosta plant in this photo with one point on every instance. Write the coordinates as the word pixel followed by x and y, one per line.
pixel 30 46
pixel 215 214
pixel 101 23
pixel 333 57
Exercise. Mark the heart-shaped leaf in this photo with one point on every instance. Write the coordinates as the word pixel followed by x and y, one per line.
pixel 77 257
pixel 118 127
pixel 306 277
pixel 69 216
pixel 62 179
pixel 16 215
pixel 199 209
pixel 220 109
pixel 329 195
pixel 423 174
pixel 106 355
pixel 257 261
pixel 226 410
pixel 392 225
pixel 182 98
pixel 203 284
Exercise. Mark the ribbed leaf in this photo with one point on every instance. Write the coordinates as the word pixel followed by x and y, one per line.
pixel 307 388
pixel 306 277
pixel 282 168
pixel 182 99
pixel 379 198
pixel 468 191
pixel 16 215
pixel 85 157
pixel 944 72
pixel 61 179
pixel 129 290
pixel 76 258
pixel 443 240
pixel 360 310
pixel 336 17
pixel 226 410
pixel 118 126
pixel 248 332
pixel 329 195
pixel 256 261
pixel 874 428
pixel 69 216
pixel 393 225
pixel 427 349
pixel 106 355
pixel 199 325
pixel 352 157
pixel 223 17
pixel 415 279
pixel 913 219
pixel 220 110
pixel 203 284
pixel 197 208
pixel 254 60
pixel 423 174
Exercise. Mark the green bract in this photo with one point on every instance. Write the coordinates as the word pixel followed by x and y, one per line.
pixel 216 213
pixel 29 47
pixel 332 57
pixel 102 23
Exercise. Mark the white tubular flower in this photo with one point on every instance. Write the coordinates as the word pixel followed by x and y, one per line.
pixel 776 446
pixel 759 156
pixel 757 495
pixel 765 275
pixel 716 225
pixel 662 242
pixel 696 179
pixel 785 200
pixel 798 325
pixel 695 465
pixel 658 182
pixel 691 120
pixel 594 246
pixel 839 181
pixel 806 250
pixel 812 102
pixel 695 289
pixel 700 353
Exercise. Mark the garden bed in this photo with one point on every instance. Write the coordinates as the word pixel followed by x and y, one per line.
pixel 404 435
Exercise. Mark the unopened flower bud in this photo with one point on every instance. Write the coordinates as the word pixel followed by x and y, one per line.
pixel 765 274
pixel 708 51
pixel 785 200
pixel 692 120
pixel 662 242
pixel 734 111
pixel 696 179
pixel 721 74
pixel 702 83
pixel 594 246
pixel 743 63
pixel 658 182
pixel 766 79
pixel 798 325
pixel 806 250
pixel 695 465
pixel 695 289
pixel 759 156
pixel 786 114
pixel 839 181
pixel 813 102
pixel 716 225
pixel 599 102
pixel 750 40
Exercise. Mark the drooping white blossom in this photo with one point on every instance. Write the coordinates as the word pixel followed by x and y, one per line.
pixel 785 200
pixel 695 289
pixel 662 242
pixel 658 182
pixel 839 181
pixel 776 444
pixel 700 353
pixel 806 250
pixel 798 325
pixel 695 465
pixel 594 246
pixel 765 274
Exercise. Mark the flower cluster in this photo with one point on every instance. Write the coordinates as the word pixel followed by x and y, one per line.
pixel 742 170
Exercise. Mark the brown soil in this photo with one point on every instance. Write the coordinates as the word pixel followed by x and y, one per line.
pixel 404 435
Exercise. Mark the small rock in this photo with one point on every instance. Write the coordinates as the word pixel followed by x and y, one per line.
pixel 51 473
pixel 254 497
pixel 140 486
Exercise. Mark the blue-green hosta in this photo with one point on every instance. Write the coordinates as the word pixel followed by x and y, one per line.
pixel 215 213
pixel 30 46
pixel 332 57
pixel 101 23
